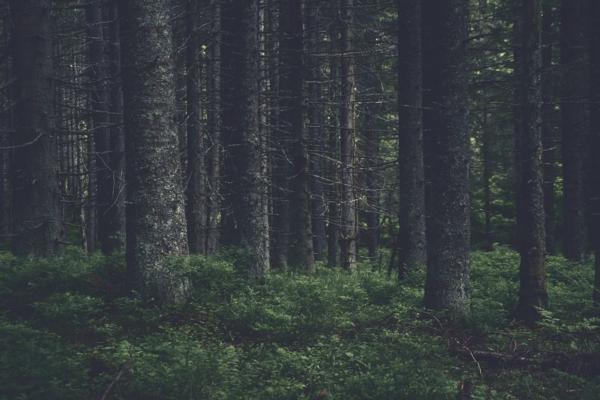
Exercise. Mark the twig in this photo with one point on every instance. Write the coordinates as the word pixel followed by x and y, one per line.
pixel 112 384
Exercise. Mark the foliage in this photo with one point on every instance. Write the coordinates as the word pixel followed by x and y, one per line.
pixel 68 330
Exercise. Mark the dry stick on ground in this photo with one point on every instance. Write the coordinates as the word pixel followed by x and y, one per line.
pixel 113 382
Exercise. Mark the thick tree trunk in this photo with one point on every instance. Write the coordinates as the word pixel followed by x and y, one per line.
pixel 348 227
pixel 196 169
pixel 247 193
pixel 291 84
pixel 156 227
pixel 575 124
pixel 530 203
pixel 411 243
pixel 36 193
pixel 446 141
pixel 594 148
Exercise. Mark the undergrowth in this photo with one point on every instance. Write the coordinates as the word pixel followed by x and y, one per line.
pixel 69 330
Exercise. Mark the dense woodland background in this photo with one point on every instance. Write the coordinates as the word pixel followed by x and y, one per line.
pixel 364 177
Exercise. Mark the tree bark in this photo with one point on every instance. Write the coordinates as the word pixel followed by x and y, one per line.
pixel 575 124
pixel 316 131
pixel 530 205
pixel 246 152
pixel 291 92
pixel 36 194
pixel 196 169
pixel 348 227
pixel 594 148
pixel 214 122
pixel 446 141
pixel 411 240
pixel 549 132
pixel 156 226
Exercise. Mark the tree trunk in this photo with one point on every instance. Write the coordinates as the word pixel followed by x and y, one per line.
pixel 246 150
pixel 530 203
pixel 348 227
pixel 549 133
pixel 214 127
pixel 411 243
pixel 315 127
pixel 291 84
pixel 575 124
pixel 446 141
pixel 101 175
pixel 333 192
pixel 36 193
pixel 486 155
pixel 156 227
pixel 594 148
pixel 196 169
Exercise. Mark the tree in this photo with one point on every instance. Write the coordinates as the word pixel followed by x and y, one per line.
pixel 530 203
pixel 446 141
pixel 291 84
pixel 575 124
pixel 411 240
pixel 549 131
pixel 156 226
pixel 315 127
pixel 348 230
pixel 246 193
pixel 594 148
pixel 196 206
pixel 36 207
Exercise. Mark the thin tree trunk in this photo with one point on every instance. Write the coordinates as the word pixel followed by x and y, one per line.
pixel 196 169
pixel 315 127
pixel 575 124
pixel 348 227
pixel 530 206
pixel 549 133
pixel 411 245
pixel 214 122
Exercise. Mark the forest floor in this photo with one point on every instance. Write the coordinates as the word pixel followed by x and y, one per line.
pixel 68 332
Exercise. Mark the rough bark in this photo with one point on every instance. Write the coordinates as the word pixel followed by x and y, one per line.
pixel 195 188
pixel 348 228
pixel 446 141
pixel 291 82
pixel 486 155
pixel 316 131
pixel 411 240
pixel 246 195
pixel 550 140
pixel 101 171
pixel 36 194
pixel 594 148
pixel 333 167
pixel 574 125
pixel 214 129
pixel 530 205
pixel 156 227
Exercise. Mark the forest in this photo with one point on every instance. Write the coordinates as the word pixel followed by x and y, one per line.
pixel 299 199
